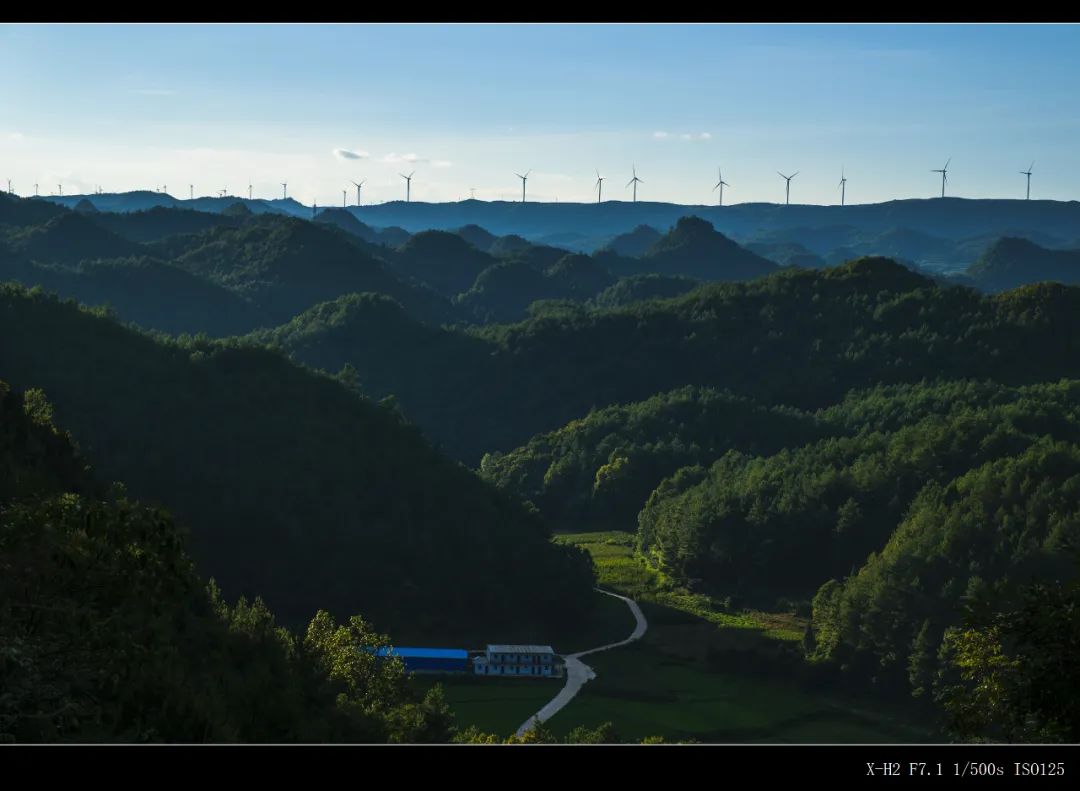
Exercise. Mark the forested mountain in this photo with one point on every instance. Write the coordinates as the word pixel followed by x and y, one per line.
pixel 799 337
pixel 597 472
pixel 634 243
pixel 68 238
pixel 284 265
pixel 1009 262
pixel 107 634
pixel 150 225
pixel 693 248
pixel 294 487
pixel 637 288
pixel 442 260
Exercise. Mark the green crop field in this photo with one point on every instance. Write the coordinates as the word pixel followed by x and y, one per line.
pixel 494 705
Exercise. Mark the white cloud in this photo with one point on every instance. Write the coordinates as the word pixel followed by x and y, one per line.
pixel 344 153
pixel 682 136
pixel 396 159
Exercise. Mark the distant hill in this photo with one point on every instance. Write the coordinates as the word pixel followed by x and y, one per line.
pixel 572 225
pixel 477 237
pixel 284 266
pixel 442 260
pixel 693 248
pixel 347 222
pixel 635 243
pixel 503 291
pixel 1009 262
pixel 145 291
pixel 20 212
pixel 637 288
pixel 150 225
pixel 68 238
pixel 787 254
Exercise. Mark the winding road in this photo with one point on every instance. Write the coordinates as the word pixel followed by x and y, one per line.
pixel 578 673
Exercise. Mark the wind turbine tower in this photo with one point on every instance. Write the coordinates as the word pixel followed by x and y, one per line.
pixel 843 185
pixel 358 185
pixel 721 184
pixel 635 181
pixel 1022 172
pixel 408 185
pixel 599 186
pixel 787 188
pixel 284 190
pixel 191 191
pixel 523 180
pixel 943 171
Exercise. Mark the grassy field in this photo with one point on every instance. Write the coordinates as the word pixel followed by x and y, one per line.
pixel 495 705
pixel 645 692
pixel 681 681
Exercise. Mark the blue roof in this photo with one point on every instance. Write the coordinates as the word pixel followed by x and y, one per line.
pixel 424 653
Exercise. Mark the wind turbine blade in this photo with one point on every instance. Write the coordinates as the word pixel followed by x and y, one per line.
pixel 631 181
pixel 781 175
pixel 947 161
pixel 1031 167
pixel 796 173
pixel 718 184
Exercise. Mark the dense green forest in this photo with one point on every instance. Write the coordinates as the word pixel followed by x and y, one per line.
pixel 294 486
pixel 800 338
pixel 108 634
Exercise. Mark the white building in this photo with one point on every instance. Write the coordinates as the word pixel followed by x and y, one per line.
pixel 518 660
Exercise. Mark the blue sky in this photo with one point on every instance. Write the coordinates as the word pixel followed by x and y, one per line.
pixel 466 106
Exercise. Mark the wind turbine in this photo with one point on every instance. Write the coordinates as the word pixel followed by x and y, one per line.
pixel 523 180
pixel 314 207
pixel 408 184
pixel 1023 172
pixel 358 185
pixel 599 186
pixel 9 186
pixel 60 187
pixel 344 193
pixel 842 185
pixel 635 180
pixel 945 178
pixel 472 193
pixel 284 190
pixel 191 191
pixel 222 193
pixel 721 184
pixel 35 190
pixel 787 189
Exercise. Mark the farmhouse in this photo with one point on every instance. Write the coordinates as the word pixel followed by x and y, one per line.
pixel 518 660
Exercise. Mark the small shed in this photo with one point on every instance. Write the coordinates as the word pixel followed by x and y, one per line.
pixel 430 660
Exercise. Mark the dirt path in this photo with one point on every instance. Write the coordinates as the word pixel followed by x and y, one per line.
pixel 578 673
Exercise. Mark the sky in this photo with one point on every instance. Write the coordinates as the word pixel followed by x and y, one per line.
pixel 466 106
